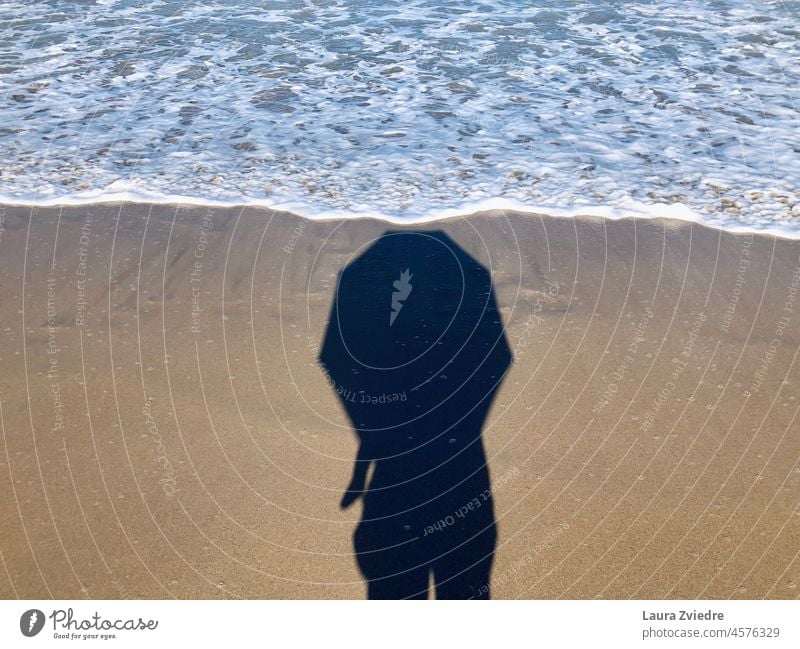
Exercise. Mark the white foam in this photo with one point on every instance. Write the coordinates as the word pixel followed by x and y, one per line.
pixel 408 110
pixel 631 209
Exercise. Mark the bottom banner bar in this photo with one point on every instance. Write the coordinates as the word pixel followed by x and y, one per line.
pixel 400 624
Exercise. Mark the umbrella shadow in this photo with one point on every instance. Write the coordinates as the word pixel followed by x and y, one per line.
pixel 415 350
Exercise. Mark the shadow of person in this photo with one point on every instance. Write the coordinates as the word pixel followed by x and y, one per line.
pixel 415 350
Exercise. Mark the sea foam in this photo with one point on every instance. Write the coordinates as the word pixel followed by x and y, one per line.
pixel 410 110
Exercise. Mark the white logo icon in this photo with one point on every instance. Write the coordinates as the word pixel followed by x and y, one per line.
pixel 402 289
pixel 31 622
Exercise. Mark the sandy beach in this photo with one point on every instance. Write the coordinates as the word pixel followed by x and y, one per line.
pixel 167 430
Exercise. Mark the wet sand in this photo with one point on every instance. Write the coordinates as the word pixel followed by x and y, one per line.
pixel 167 431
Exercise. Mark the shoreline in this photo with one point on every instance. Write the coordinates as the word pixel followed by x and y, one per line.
pixel 167 429
pixel 668 211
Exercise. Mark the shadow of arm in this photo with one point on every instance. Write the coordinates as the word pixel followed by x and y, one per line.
pixel 357 486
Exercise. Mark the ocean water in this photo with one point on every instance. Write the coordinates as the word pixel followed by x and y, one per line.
pixel 408 109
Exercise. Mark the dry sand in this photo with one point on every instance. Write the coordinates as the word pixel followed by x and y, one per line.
pixel 166 430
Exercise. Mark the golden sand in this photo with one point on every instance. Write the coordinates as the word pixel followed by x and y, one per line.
pixel 167 431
